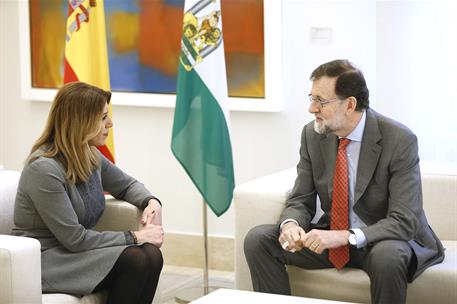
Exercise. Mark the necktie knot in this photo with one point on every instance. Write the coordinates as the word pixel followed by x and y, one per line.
pixel 343 143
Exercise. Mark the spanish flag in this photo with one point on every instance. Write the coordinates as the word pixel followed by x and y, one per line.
pixel 86 56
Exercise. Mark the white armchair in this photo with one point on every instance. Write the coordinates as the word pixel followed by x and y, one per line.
pixel 20 262
pixel 261 201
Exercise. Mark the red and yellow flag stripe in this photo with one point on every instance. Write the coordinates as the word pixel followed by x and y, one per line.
pixel 86 54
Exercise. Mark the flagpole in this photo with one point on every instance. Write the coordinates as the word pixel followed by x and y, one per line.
pixel 190 294
pixel 205 245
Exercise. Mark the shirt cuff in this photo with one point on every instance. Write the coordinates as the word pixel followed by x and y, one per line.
pixel 359 237
pixel 286 221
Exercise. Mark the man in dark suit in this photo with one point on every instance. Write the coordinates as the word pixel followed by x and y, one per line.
pixel 364 168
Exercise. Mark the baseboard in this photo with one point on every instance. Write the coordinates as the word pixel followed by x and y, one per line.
pixel 188 250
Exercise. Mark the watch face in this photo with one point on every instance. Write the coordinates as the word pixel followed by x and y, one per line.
pixel 352 239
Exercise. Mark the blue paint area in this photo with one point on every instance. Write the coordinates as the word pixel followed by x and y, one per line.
pixel 129 6
pixel 127 75
pixel 156 81
pixel 179 3
pixel 124 72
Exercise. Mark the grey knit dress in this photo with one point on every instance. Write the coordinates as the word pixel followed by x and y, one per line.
pixel 61 215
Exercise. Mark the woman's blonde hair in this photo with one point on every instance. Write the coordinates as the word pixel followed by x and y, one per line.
pixel 73 120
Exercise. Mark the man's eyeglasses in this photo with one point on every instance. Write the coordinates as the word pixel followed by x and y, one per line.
pixel 322 102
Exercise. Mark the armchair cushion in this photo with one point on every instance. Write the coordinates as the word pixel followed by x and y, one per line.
pixel 61 298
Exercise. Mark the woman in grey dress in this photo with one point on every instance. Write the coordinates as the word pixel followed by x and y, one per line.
pixel 60 198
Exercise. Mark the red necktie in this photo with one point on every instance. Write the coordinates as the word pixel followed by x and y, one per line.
pixel 339 217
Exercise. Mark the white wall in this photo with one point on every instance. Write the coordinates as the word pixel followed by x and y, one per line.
pixel 262 142
pixel 353 26
pixel 417 64
pixel 3 95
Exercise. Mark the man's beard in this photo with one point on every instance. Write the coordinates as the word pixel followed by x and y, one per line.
pixel 330 127
pixel 321 128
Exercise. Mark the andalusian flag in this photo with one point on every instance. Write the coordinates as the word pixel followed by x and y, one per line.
pixel 201 137
pixel 86 56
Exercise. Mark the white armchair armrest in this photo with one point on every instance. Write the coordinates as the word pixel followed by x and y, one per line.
pixel 119 216
pixel 257 202
pixel 20 264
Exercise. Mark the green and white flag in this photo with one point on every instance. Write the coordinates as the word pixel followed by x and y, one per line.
pixel 201 136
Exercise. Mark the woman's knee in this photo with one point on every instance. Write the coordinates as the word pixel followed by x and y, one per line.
pixel 133 260
pixel 154 257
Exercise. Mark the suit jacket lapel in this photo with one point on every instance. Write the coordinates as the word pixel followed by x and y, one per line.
pixel 329 147
pixel 370 151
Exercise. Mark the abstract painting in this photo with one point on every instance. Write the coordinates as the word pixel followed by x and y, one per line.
pixel 144 37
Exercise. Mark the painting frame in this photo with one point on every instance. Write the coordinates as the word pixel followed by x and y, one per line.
pixel 272 102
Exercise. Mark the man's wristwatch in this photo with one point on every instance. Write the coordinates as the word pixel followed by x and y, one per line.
pixel 352 239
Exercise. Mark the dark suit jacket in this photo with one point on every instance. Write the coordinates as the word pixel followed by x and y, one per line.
pixel 388 193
